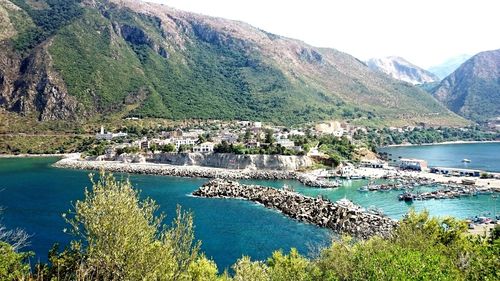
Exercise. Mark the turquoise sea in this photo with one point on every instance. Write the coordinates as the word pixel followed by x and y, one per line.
pixel 483 156
pixel 34 195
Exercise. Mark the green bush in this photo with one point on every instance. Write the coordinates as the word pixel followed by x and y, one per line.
pixel 13 265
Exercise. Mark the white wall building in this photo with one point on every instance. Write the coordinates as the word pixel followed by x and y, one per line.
pixel 206 147
pixel 183 141
pixel 109 136
pixel 285 143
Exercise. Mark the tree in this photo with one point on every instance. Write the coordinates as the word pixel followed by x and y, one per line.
pixel 13 265
pixel 289 267
pixel 248 135
pixel 119 237
pixel 247 270
pixel 269 136
pixel 167 148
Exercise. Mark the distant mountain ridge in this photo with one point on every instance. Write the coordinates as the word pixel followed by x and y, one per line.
pixel 473 90
pixel 75 60
pixel 447 67
pixel 401 69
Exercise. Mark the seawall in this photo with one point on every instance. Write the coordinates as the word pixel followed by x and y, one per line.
pixel 342 218
pixel 235 161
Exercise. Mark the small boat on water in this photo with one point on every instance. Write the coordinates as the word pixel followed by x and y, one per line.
pixel 465 160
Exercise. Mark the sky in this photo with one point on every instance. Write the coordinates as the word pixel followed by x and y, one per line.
pixel 425 32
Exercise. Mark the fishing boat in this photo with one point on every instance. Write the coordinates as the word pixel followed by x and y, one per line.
pixel 363 189
pixel 465 160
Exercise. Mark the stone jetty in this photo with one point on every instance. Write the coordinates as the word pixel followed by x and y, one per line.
pixel 399 184
pixel 448 193
pixel 339 216
pixel 192 171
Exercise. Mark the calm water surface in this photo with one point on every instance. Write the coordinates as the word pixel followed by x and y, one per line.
pixel 35 195
pixel 483 156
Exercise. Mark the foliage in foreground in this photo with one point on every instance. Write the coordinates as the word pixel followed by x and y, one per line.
pixel 119 237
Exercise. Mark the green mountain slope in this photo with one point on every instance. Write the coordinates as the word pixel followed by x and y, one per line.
pixel 80 60
pixel 473 90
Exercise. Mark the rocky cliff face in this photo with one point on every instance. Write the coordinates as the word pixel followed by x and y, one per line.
pixel 73 59
pixel 233 161
pixel 401 69
pixel 39 89
pixel 473 90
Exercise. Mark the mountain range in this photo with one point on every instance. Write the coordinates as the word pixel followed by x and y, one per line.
pixel 447 67
pixel 82 60
pixel 401 69
pixel 473 90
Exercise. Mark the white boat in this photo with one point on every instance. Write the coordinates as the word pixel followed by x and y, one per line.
pixel 465 160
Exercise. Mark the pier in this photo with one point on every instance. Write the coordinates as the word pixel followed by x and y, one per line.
pixel 342 216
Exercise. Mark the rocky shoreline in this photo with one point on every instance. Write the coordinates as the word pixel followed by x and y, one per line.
pixel 192 171
pixel 341 217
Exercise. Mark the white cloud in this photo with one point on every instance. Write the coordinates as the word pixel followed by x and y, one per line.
pixel 425 32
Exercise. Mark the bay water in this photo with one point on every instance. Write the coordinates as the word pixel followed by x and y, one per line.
pixel 34 195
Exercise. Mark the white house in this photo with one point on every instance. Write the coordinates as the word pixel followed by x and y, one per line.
pixel 285 143
pixel 229 137
pixel 347 170
pixel 206 147
pixel 183 141
pixel 109 136
pixel 330 128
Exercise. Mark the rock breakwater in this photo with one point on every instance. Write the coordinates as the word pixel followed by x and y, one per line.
pixel 192 171
pixel 448 193
pixel 342 218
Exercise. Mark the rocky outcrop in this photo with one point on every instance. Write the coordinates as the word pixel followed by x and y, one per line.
pixel 235 161
pixel 401 69
pixel 32 86
pixel 340 217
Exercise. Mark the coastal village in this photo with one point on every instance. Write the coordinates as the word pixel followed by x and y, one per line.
pixel 230 151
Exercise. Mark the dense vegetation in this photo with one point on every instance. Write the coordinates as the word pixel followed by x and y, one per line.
pixel 118 60
pixel 47 18
pixel 386 136
pixel 137 246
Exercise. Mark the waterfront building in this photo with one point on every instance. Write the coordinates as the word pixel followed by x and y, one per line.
pixel 456 172
pixel 412 164
pixel 372 164
pixel 347 170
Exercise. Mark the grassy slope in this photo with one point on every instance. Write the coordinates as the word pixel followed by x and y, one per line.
pixel 204 80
